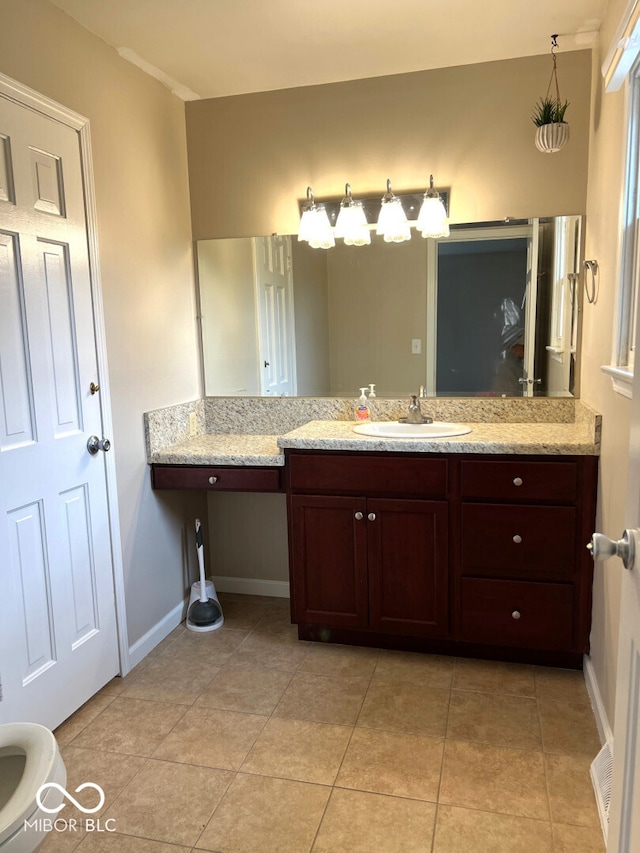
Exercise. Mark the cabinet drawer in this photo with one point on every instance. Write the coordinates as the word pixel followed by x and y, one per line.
pixel 520 480
pixel 368 475
pixel 517 613
pixel 518 541
pixel 216 479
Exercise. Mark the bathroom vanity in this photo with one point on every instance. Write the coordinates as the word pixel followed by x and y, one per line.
pixel 471 545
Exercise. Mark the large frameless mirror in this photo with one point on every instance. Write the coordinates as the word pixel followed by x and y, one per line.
pixel 491 310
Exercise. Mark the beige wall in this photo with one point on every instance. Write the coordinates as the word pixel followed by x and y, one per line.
pixel 140 167
pixel 311 307
pixel 227 305
pixel 606 167
pixel 251 157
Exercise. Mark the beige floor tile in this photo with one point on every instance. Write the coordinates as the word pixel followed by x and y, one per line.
pixel 330 659
pixel 170 680
pixel 392 763
pixel 116 685
pixel 571 796
pixel 243 615
pixel 359 822
pixel 577 839
pixel 299 750
pixel 169 802
pixel 77 722
pixel 322 698
pixel 271 651
pixel 213 647
pixel 132 726
pixel 264 815
pixel 563 685
pixel 567 727
pixel 62 842
pixel 427 670
pixel 499 719
pixel 117 843
pixel 488 676
pixel 254 691
pixel 494 778
pixel 211 738
pixel 110 770
pixel 406 707
pixel 164 644
pixel 470 831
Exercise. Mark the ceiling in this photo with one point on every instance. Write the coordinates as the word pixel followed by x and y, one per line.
pixel 213 48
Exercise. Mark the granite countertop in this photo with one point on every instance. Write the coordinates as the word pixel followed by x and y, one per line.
pixel 575 439
pixel 208 449
pixel 526 438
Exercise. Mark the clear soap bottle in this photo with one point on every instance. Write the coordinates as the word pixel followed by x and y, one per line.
pixel 372 396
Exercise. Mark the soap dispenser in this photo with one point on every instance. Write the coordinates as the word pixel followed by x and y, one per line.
pixel 372 396
pixel 362 410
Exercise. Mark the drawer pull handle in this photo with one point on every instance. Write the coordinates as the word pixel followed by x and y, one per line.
pixel 517 539
pixel 515 615
pixel 372 516
pixel 359 516
pixel 517 481
pixel 213 481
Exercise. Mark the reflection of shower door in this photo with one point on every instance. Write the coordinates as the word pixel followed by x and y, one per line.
pixel 465 289
pixel 274 303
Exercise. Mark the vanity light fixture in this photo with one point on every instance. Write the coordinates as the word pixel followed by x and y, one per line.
pixel 352 224
pixel 432 219
pixel 315 228
pixel 392 221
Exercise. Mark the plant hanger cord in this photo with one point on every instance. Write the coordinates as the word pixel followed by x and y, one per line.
pixel 554 72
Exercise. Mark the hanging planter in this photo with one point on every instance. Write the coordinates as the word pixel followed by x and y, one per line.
pixel 552 131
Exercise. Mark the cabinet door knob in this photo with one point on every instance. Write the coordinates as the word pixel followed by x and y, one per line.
pixel 359 516
pixel 372 516
pixel 515 614
pixel 213 481
pixel 517 481
pixel 517 539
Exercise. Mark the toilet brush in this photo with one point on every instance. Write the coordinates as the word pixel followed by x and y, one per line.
pixel 204 612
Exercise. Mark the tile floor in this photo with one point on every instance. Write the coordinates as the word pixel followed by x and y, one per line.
pixel 246 740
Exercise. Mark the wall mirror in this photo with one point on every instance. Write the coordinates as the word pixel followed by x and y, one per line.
pixel 491 310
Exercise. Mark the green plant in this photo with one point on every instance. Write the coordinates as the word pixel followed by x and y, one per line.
pixel 549 111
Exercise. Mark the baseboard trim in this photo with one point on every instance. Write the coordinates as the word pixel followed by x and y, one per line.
pixel 593 689
pixel 141 648
pixel 251 586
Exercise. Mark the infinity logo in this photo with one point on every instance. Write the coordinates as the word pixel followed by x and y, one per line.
pixel 71 799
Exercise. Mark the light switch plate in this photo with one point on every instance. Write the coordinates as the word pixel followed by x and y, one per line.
pixel 193 423
pixel 416 346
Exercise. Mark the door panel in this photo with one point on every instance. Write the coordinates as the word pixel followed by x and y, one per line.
pixel 58 633
pixel 329 560
pixel 408 566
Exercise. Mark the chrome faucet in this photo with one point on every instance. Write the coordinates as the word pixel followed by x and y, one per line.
pixel 414 414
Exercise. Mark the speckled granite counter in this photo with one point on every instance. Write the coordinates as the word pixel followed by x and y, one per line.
pixel 577 439
pixel 243 432
pixel 259 450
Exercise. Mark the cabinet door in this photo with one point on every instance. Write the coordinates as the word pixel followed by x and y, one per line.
pixel 408 567
pixel 329 560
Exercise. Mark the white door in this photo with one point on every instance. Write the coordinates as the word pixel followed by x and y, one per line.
pixel 531 309
pixel 274 296
pixel 58 635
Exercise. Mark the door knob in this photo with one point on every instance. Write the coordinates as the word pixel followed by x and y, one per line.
pixel 602 547
pixel 94 444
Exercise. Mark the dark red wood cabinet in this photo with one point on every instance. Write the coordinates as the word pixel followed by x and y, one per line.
pixel 462 554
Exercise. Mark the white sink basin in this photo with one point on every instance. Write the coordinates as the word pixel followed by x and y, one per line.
pixel 391 429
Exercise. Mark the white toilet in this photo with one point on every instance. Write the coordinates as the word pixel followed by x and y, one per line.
pixel 29 757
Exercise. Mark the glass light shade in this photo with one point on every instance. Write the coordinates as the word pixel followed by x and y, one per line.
pixel 315 228
pixel 432 219
pixel 392 222
pixel 352 226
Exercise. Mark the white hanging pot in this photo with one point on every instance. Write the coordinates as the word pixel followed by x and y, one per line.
pixel 552 137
